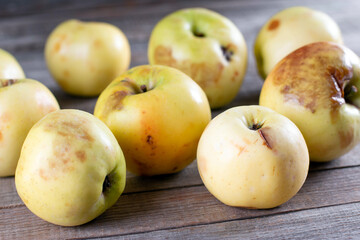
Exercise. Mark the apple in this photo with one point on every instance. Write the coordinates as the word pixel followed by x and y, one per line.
pixel 157 114
pixel 206 46
pixel 252 157
pixel 9 66
pixel 290 29
pixel 316 87
pixel 84 57
pixel 23 102
pixel 71 168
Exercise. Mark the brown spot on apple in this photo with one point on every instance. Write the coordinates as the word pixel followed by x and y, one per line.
pixel 264 134
pixel 346 138
pixel 274 24
pixel 66 73
pixel 7 82
pixel 81 155
pixel 98 43
pixel 163 56
pixel 43 175
pixel 312 74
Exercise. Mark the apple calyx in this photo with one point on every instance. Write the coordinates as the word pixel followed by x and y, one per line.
pixel 143 88
pixel 196 32
pixel 227 53
pixel 256 126
pixel 7 82
pixel 106 184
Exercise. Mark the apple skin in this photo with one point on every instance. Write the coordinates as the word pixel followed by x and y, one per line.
pixel 206 46
pixel 315 87
pixel 252 157
pixel 9 66
pixel 84 57
pixel 23 102
pixel 159 129
pixel 71 168
pixel 290 29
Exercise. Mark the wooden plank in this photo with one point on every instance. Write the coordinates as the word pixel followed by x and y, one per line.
pixel 181 207
pixel 335 222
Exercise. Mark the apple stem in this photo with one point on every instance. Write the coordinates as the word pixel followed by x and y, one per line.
pixel 255 126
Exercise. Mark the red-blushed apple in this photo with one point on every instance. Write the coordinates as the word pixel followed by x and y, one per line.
pixel 157 114
pixel 9 66
pixel 317 87
pixel 84 57
pixel 71 168
pixel 206 46
pixel 23 102
pixel 290 29
pixel 252 157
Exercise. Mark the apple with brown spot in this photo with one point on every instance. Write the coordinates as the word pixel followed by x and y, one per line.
pixel 23 102
pixel 71 168
pixel 206 46
pixel 252 157
pixel 84 57
pixel 290 29
pixel 157 114
pixel 317 87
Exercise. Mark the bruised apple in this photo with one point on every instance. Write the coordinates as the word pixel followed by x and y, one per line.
pixel 317 87
pixel 71 168
pixel 252 157
pixel 157 114
pixel 84 57
pixel 206 46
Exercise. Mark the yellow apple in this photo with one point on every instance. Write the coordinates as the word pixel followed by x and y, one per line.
pixel 84 57
pixel 157 114
pixel 23 102
pixel 317 87
pixel 9 66
pixel 290 29
pixel 71 168
pixel 252 157
pixel 206 46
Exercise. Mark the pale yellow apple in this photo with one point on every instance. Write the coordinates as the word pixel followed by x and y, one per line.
pixel 290 29
pixel 9 66
pixel 252 157
pixel 317 87
pixel 84 57
pixel 206 46
pixel 157 114
pixel 71 168
pixel 23 102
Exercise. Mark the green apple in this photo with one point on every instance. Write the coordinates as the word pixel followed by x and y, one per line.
pixel 9 67
pixel 157 114
pixel 317 87
pixel 71 168
pixel 23 102
pixel 206 46
pixel 252 157
pixel 84 57
pixel 290 29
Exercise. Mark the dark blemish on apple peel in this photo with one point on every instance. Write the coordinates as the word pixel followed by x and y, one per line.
pixel 274 24
pixel 264 136
pixel 7 82
pixel 227 53
pixel 149 140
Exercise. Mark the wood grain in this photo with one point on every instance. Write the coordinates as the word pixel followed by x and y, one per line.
pixel 183 206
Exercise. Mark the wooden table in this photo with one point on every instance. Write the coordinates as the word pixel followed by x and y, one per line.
pixel 179 206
